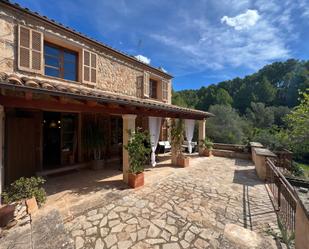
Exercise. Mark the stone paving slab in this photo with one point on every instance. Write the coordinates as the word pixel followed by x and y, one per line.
pixel 44 232
pixel 188 209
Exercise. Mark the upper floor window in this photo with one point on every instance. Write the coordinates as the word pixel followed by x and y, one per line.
pixel 153 85
pixel 60 62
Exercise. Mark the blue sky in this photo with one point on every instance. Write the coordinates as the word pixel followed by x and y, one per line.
pixel 200 42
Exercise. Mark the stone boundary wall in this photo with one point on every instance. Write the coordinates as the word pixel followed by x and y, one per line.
pixel 239 151
pixel 231 154
pixel 232 147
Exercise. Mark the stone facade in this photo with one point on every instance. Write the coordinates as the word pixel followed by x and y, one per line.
pixel 115 72
pixel 7 46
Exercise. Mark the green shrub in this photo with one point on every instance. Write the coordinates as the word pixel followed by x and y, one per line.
pixel 25 188
pixel 138 151
pixel 297 170
pixel 207 143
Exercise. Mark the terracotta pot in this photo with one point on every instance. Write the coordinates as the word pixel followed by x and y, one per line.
pixel 136 180
pixel 6 214
pixel 174 160
pixel 207 152
pixel 183 161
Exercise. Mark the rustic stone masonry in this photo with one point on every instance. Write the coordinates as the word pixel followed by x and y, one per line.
pixel 113 74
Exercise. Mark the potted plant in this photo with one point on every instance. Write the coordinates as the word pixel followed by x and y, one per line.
pixel 138 156
pixel 177 130
pixel 207 145
pixel 25 191
pixel 95 143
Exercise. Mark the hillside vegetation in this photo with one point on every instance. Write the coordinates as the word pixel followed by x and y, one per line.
pixel 270 106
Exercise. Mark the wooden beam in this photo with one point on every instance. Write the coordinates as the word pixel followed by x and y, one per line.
pixel 28 95
pixel 91 103
pixel 63 100
pixel 66 106
pixel 113 105
pixel 51 105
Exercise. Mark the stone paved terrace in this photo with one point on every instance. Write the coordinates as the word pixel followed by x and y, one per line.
pixel 188 208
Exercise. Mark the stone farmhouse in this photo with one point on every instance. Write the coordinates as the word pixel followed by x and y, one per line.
pixel 56 82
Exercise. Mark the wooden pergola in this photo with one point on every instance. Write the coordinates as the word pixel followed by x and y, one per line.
pixel 31 93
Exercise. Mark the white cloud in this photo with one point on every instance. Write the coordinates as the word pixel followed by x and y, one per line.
pixel 143 59
pixel 218 47
pixel 242 21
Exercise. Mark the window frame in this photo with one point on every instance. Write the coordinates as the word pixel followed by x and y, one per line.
pixel 153 94
pixel 61 60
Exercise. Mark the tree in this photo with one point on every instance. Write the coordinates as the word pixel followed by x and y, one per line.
pixel 279 113
pixel 298 126
pixel 264 91
pixel 223 98
pixel 260 116
pixel 177 99
pixel 226 126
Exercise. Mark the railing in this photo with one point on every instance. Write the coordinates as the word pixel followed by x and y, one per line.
pixel 283 195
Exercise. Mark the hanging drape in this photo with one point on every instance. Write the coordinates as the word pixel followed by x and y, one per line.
pixel 154 132
pixel 189 128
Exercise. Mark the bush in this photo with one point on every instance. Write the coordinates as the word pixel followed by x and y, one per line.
pixel 25 188
pixel 273 138
pixel 138 151
pixel 226 126
pixel 296 170
pixel 207 143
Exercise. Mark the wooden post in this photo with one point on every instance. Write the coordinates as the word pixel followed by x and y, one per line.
pixel 1 150
pixel 201 134
pixel 79 139
pixel 128 124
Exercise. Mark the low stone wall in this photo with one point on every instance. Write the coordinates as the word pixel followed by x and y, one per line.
pixel 253 146
pixel 232 147
pixel 259 156
pixel 231 154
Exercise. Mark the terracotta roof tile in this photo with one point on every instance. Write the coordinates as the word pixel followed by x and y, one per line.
pixel 51 87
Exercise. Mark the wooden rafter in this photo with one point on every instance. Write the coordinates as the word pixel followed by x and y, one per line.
pixel 65 104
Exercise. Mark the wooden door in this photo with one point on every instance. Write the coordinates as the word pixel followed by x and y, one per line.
pixel 21 147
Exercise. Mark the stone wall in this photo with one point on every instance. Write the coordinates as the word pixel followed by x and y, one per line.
pixel 114 74
pixel 118 78
pixel 7 46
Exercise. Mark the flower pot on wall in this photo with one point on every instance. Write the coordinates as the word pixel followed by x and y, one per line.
pixel 207 152
pixel 136 180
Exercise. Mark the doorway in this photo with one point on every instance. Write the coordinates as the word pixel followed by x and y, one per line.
pixel 59 139
pixel 51 139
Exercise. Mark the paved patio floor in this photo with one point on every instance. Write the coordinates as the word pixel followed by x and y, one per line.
pixel 178 208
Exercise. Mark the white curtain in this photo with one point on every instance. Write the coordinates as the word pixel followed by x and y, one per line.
pixel 189 128
pixel 154 131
